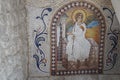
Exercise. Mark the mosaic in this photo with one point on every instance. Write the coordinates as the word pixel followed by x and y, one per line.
pixel 77 39
pixel 73 37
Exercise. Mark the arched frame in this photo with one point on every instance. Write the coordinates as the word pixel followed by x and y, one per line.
pixel 61 66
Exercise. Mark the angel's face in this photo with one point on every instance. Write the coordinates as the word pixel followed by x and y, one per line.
pixel 79 18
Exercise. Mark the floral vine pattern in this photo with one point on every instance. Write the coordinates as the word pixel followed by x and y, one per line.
pixel 113 37
pixel 40 56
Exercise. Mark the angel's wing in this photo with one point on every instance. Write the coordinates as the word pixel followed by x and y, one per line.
pixel 93 24
pixel 69 26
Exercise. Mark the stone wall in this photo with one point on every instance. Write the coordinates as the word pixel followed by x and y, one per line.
pixel 14 43
pixel 13 40
pixel 116 7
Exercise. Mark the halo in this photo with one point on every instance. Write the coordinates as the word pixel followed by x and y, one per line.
pixel 79 11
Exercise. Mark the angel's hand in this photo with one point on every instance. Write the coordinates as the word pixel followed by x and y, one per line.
pixel 69 33
pixel 73 37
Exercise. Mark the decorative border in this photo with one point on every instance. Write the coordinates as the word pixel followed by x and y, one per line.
pixel 113 37
pixel 53 39
pixel 40 56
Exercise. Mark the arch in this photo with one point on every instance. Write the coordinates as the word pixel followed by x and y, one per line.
pixel 75 5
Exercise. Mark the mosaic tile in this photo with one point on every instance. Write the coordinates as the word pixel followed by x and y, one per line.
pixel 52 25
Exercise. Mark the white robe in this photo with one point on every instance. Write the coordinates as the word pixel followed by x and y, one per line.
pixel 81 46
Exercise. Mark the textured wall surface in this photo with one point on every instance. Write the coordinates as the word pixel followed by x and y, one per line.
pixel 116 7
pixel 13 40
pixel 34 9
pixel 14 45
